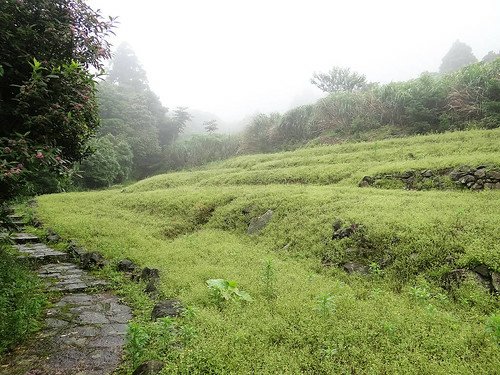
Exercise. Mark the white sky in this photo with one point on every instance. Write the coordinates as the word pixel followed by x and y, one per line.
pixel 236 58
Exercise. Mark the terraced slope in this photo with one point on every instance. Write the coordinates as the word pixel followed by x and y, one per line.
pixel 343 279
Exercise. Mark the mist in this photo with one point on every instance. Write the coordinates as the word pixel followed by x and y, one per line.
pixel 236 59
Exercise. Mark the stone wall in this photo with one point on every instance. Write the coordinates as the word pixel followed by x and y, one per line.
pixel 463 177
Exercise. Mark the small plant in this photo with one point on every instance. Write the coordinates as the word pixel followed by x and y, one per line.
pixel 137 338
pixel 376 270
pixel 420 293
pixel 269 281
pixel 493 326
pixel 325 304
pixel 226 290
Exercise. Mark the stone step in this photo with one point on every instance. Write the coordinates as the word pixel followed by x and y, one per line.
pixel 39 253
pixel 83 334
pixel 68 278
pixel 23 238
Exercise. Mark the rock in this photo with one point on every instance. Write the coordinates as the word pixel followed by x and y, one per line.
pixel 476 186
pixel 495 281
pixel 151 289
pixel 167 308
pixel 407 174
pixel 259 223
pixel 467 179
pixel 337 224
pixel 482 270
pixel 150 274
pixel 126 265
pixel 149 368
pixel 75 251
pixel 36 223
pixel 480 173
pixel 493 174
pixel 497 185
pixel 53 237
pixel 489 185
pixel 427 173
pixel 92 260
pixel 366 181
pixel 458 276
pixel 345 232
pixel 351 267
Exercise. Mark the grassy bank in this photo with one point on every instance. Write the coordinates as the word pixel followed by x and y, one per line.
pixel 307 315
pixel 21 300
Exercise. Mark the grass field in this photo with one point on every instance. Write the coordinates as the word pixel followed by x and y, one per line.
pixel 307 315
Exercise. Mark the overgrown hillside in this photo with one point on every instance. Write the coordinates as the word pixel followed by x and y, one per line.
pixel 343 279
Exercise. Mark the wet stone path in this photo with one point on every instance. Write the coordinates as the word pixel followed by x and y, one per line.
pixel 84 329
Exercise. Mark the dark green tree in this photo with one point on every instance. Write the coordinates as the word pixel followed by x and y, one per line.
pixel 459 55
pixel 47 50
pixel 339 80
pixel 50 53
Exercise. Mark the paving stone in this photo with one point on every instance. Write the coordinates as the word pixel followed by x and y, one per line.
pixel 84 333
pixel 85 343
pixel 39 253
pixel 22 238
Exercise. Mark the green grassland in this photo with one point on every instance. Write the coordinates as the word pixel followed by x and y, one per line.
pixel 307 315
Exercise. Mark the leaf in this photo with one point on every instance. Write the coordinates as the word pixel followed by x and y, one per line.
pixel 217 284
pixel 243 295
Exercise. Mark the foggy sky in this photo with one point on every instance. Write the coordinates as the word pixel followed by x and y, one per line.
pixel 235 58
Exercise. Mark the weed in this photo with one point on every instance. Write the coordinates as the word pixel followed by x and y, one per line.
pixel 226 290
pixel 325 304
pixel 269 281
pixel 137 337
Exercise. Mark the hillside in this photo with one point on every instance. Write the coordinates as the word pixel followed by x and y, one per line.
pixel 343 279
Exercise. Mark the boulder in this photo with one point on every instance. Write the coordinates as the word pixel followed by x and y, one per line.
pixel 495 281
pixel 167 308
pixel 75 252
pixel 458 276
pixel 407 174
pixel 493 175
pixel 427 173
pixel 149 368
pixel 467 179
pixel 259 223
pixel 150 275
pixel 126 265
pixel 52 236
pixel 351 267
pixel 482 270
pixel 92 260
pixel 151 289
pixel 345 232
pixel 480 173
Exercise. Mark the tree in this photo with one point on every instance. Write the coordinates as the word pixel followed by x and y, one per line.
pixel 47 48
pixel 491 56
pixel 339 80
pixel 126 69
pixel 111 162
pixel 210 126
pixel 50 53
pixel 459 55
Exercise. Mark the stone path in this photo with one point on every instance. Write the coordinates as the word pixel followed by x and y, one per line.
pixel 85 328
